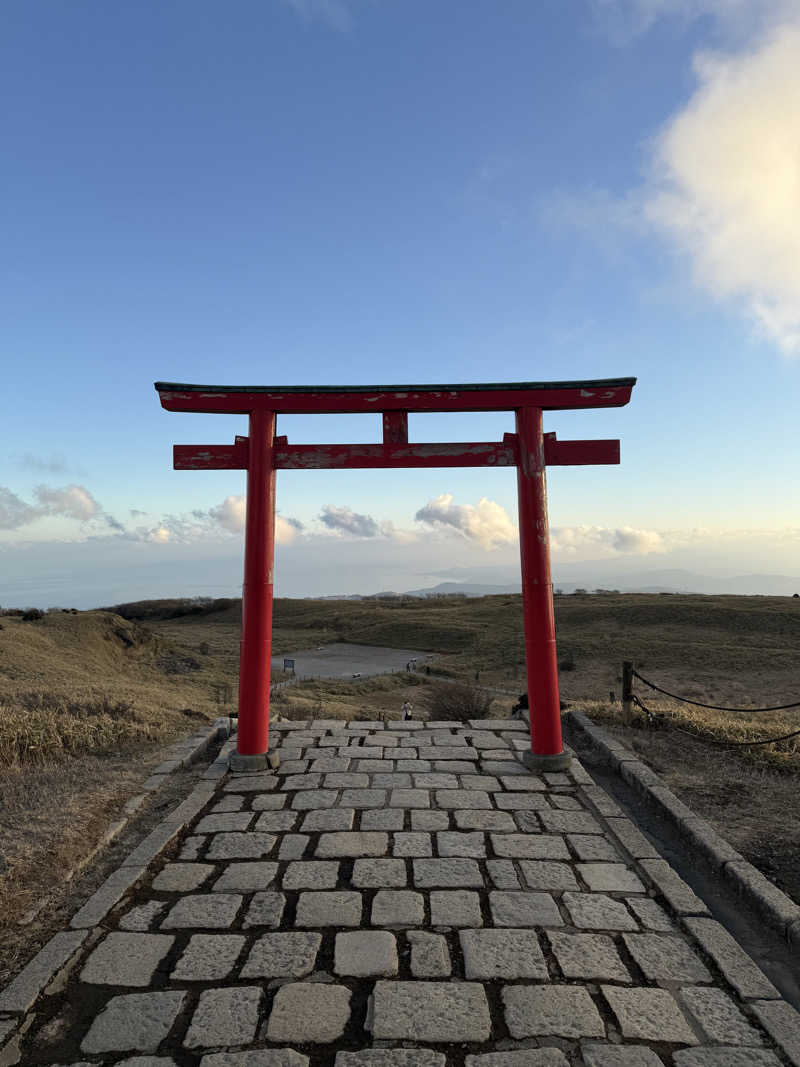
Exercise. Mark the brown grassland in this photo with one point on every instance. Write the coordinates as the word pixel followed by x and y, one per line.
pixel 87 701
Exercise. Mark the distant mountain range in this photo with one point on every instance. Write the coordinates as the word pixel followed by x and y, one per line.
pixel 656 581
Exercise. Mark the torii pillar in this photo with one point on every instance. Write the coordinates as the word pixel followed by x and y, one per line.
pixel 530 450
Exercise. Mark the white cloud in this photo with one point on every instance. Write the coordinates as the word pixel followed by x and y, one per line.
pixel 230 514
pixel 73 501
pixel 345 520
pixel 160 535
pixel 334 13
pixel 622 540
pixel 287 530
pixel 487 523
pixel 726 184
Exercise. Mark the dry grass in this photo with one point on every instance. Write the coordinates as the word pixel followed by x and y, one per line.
pixel 93 683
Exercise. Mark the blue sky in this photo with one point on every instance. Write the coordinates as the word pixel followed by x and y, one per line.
pixel 376 191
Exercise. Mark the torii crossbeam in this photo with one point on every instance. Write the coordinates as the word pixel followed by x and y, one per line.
pixel 530 450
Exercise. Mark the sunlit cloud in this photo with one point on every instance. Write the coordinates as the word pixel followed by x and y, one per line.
pixel 622 540
pixel 486 523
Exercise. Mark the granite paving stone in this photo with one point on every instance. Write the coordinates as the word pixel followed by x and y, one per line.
pixel 719 1017
pixel 412 843
pixel 590 956
pixel 212 911
pixel 398 908
pixel 590 848
pixel 462 798
pixel 126 959
pixel 354 843
pixel 667 959
pixel 457 907
pixel 455 873
pixel 745 977
pixel 328 819
pixel 135 1021
pixel 342 908
pixel 782 1023
pixel 282 955
pixel 430 1011
pixel 365 954
pixel 430 957
pixel 208 957
pixel 293 846
pixel 486 782
pixel 562 1011
pixel 300 781
pixel 472 819
pixel 503 874
pixel 182 877
pixel 649 1015
pixel 389 780
pixel 409 798
pixel 379 873
pixel 610 878
pixel 523 1057
pixel 620 1056
pixel 596 911
pixel 512 908
pixel 311 874
pixel 383 819
pixel 306 1012
pixel 725 1057
pixel 547 874
pixel 491 954
pixel 225 1017
pixel 141 917
pixel 266 909
pixel 346 780
pixel 429 821
pixel 277 822
pixel 246 877
pixel 395 1057
pixel 252 845
pixel 453 766
pixel 651 915
pixel 215 824
pixel 306 799
pixel 521 801
pixel 254 783
pixel 454 843
pixel 363 798
pixel 569 822
pixel 268 802
pixel 530 846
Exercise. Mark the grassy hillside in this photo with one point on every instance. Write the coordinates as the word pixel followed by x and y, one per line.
pixel 94 682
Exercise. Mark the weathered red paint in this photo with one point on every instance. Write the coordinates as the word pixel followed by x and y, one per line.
pixel 613 392
pixel 435 454
pixel 259 553
pixel 537 589
pixel 263 453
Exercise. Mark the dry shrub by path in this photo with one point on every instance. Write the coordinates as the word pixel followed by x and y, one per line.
pixel 455 703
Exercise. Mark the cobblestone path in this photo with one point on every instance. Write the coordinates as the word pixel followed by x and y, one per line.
pixel 408 895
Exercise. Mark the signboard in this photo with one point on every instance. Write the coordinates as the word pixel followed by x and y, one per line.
pixel 288 664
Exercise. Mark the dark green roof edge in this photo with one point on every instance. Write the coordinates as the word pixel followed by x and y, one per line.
pixel 469 387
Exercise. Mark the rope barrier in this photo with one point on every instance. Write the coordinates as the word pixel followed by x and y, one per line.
pixel 714 707
pixel 713 740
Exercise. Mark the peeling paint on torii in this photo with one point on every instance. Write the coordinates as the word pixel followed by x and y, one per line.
pixel 530 450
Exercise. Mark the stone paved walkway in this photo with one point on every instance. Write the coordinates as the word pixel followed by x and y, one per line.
pixel 409 895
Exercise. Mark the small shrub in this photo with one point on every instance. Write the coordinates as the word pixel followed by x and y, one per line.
pixel 456 702
pixel 32 615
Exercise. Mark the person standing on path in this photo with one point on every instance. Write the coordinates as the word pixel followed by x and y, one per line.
pixel 407 711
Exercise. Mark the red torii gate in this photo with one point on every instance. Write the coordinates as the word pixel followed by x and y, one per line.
pixel 262 453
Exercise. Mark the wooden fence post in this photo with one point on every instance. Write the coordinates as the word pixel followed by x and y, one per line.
pixel 627 691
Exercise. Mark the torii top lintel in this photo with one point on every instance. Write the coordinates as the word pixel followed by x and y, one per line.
pixel 322 399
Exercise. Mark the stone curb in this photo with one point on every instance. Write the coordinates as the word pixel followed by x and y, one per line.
pixel 57 955
pixel 778 910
